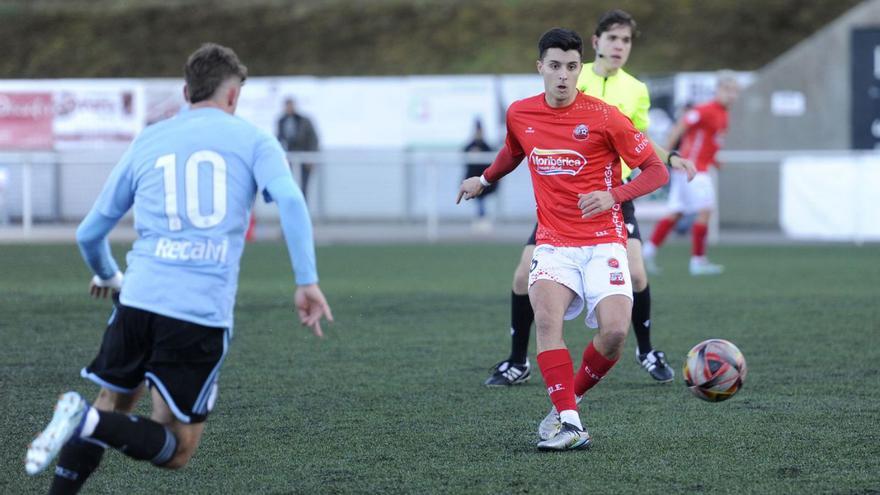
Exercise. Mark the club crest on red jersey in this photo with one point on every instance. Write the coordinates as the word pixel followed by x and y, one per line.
pixel 581 132
pixel 613 263
pixel 617 278
pixel 556 162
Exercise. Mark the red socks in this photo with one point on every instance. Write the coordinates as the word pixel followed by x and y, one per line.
pixel 698 239
pixel 661 231
pixel 557 369
pixel 556 366
pixel 593 368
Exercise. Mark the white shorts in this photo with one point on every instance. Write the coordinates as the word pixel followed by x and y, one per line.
pixel 691 197
pixel 592 272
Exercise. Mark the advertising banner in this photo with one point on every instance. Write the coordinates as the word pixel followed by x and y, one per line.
pixel 97 113
pixel 25 121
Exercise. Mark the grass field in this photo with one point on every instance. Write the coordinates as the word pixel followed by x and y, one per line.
pixel 392 402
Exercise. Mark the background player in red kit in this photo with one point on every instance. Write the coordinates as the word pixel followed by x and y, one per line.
pixel 701 131
pixel 574 144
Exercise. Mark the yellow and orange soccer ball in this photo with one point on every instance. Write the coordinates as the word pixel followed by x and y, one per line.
pixel 714 370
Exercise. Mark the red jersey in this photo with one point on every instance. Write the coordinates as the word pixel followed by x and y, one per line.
pixel 704 136
pixel 571 150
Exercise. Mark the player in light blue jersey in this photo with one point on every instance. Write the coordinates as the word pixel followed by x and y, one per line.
pixel 191 181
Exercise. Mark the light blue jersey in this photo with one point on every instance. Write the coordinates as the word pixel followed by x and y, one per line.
pixel 192 180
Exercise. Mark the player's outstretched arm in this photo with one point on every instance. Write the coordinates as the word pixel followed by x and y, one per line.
pixel 310 303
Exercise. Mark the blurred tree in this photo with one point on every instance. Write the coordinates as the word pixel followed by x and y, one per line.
pixel 148 38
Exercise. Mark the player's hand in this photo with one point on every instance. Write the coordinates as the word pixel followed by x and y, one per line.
pixel 101 289
pixel 594 202
pixel 685 165
pixel 311 307
pixel 470 188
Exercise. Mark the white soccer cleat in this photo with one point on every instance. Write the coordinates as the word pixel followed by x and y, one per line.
pixel 569 437
pixel 702 266
pixel 551 424
pixel 66 421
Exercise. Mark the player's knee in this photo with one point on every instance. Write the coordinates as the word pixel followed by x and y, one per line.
pixel 181 457
pixel 615 337
pixel 614 331
pixel 104 401
pixel 546 321
pixel 110 401
pixel 639 279
pixel 176 462
pixel 703 216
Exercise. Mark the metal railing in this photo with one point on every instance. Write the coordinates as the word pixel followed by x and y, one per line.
pixel 378 185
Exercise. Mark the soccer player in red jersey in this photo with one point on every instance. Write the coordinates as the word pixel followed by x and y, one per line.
pixel 573 144
pixel 606 79
pixel 701 131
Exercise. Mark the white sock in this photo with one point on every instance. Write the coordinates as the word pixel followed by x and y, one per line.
pixel 90 423
pixel 571 417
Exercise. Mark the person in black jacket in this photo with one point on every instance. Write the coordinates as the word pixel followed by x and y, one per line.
pixel 475 165
pixel 296 133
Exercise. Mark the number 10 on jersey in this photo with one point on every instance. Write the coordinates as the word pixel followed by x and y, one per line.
pixel 168 163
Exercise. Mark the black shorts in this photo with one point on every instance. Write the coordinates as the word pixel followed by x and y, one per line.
pixel 629 219
pixel 180 359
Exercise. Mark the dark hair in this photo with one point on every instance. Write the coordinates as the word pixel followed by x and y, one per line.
pixel 564 39
pixel 615 17
pixel 209 67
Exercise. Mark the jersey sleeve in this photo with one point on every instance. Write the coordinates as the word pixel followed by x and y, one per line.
pixel 270 163
pixel 297 228
pixel 115 200
pixel 117 196
pixel 640 117
pixel 509 156
pixel 631 144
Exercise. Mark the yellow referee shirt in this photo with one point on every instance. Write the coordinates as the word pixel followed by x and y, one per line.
pixel 622 90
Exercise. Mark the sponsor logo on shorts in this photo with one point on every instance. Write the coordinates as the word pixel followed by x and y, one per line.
pixel 534 265
pixel 613 263
pixel 617 278
pixel 581 132
pixel 556 162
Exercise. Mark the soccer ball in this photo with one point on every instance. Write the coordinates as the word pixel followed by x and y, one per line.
pixel 714 370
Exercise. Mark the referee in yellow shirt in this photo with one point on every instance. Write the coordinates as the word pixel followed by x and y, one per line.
pixel 604 79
